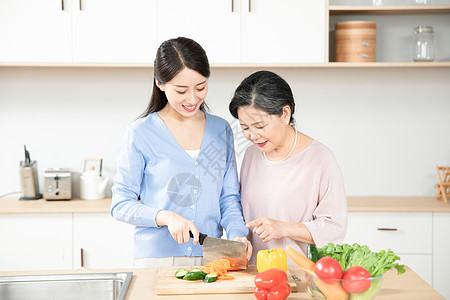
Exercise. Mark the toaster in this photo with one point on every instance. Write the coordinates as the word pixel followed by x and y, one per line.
pixel 58 184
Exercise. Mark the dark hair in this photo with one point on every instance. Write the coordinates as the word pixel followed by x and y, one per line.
pixel 266 91
pixel 172 57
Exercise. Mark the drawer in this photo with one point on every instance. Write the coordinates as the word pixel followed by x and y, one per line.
pixel 409 233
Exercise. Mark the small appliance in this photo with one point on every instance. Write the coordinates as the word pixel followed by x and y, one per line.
pixel 58 184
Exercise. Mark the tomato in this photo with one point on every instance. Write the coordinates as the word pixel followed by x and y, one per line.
pixel 355 286
pixel 328 268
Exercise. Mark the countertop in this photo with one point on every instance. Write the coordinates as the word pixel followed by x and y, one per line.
pixel 143 285
pixel 355 204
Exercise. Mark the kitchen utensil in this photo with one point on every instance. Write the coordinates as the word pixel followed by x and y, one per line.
pixel 356 41
pixel 92 185
pixel 29 184
pixel 58 184
pixel 215 248
pixel 321 287
pixel 243 282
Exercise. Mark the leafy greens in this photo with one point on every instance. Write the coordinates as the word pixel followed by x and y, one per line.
pixel 356 255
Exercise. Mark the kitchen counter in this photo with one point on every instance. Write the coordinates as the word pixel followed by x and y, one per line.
pixel 355 204
pixel 143 285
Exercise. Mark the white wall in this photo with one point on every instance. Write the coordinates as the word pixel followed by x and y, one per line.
pixel 387 127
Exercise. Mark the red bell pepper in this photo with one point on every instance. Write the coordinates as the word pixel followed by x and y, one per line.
pixel 271 285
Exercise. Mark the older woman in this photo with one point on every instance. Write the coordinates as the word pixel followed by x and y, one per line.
pixel 291 185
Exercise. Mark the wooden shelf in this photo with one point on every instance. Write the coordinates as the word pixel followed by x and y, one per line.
pixel 241 65
pixel 388 10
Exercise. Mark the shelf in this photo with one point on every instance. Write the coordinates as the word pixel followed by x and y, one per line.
pixel 241 65
pixel 388 10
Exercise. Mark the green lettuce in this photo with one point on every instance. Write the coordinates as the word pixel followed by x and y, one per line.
pixel 377 263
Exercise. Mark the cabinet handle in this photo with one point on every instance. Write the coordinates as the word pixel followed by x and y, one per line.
pixel 81 5
pixel 82 257
pixel 232 6
pixel 62 5
pixel 387 229
pixel 249 5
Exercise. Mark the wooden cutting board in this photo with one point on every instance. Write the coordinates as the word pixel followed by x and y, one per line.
pixel 243 282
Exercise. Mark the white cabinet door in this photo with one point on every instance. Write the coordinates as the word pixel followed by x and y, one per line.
pixel 103 242
pixel 441 257
pixel 114 31
pixel 35 31
pixel 36 242
pixel 409 235
pixel 284 31
pixel 215 25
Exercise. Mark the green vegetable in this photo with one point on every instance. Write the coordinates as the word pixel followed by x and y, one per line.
pixel 312 253
pixel 210 278
pixel 180 273
pixel 197 270
pixel 356 255
pixel 194 276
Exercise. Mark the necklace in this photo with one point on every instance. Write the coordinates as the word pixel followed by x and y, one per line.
pixel 289 154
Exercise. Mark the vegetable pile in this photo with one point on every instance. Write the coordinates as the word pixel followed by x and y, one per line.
pixel 377 263
pixel 345 271
pixel 210 272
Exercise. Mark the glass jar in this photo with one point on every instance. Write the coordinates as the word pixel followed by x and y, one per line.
pixel 423 43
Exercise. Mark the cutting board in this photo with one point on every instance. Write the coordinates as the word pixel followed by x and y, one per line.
pixel 243 282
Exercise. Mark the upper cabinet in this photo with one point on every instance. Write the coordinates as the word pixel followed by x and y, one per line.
pixel 116 31
pixel 35 31
pixel 248 31
pixel 283 31
pixel 213 24
pixel 77 31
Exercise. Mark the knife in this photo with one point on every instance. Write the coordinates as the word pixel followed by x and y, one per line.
pixel 215 248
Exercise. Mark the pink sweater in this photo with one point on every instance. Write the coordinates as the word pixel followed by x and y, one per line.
pixel 307 188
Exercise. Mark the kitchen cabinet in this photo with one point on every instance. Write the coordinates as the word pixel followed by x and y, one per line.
pixel 284 31
pixel 256 31
pixel 35 31
pixel 399 232
pixel 215 25
pixel 78 31
pixel 395 29
pixel 100 241
pixel 441 257
pixel 36 241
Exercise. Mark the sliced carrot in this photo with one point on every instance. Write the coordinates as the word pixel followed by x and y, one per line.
pixel 225 277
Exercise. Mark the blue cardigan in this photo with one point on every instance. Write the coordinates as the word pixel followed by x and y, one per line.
pixel 151 164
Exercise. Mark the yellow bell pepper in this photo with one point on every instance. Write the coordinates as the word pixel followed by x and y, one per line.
pixel 273 258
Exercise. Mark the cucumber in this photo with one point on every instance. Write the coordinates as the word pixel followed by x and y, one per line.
pixel 194 276
pixel 180 273
pixel 312 253
pixel 197 270
pixel 210 278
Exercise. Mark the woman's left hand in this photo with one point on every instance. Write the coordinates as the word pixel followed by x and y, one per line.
pixel 249 245
pixel 267 229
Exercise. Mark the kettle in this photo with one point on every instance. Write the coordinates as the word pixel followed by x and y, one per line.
pixel 92 185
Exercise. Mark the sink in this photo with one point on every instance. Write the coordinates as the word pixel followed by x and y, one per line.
pixel 98 286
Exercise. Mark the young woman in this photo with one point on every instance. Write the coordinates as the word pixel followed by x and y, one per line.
pixel 291 185
pixel 180 162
